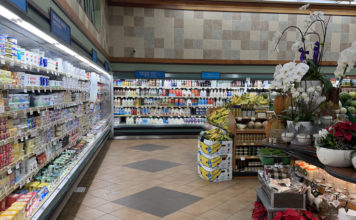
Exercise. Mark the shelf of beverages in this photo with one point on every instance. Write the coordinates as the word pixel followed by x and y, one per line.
pixel 188 84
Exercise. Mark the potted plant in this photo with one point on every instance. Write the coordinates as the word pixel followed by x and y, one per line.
pixel 295 214
pixel 310 44
pixel 336 144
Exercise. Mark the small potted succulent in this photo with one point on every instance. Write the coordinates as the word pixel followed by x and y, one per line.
pixel 336 144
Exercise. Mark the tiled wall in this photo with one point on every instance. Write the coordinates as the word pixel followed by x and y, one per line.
pixel 100 35
pixel 161 33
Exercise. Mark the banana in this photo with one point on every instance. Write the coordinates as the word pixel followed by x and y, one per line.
pixel 210 162
pixel 209 175
pixel 210 149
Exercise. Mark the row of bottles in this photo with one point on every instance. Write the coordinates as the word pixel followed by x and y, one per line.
pixel 247 151
pixel 153 111
pixel 178 83
pixel 249 166
pixel 164 121
pixel 249 138
pixel 176 102
pixel 247 110
pixel 215 93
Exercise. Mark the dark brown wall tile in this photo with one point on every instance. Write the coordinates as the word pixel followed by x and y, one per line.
pixel 264 45
pixel 245 44
pixel 178 23
pixel 188 44
pixel 212 54
pixel 149 12
pixel 129 31
pixel 149 52
pixel 178 53
pixel 345 27
pixel 139 21
pixel 240 35
pixel 159 43
pixel 116 20
pixel 128 11
pixel 227 35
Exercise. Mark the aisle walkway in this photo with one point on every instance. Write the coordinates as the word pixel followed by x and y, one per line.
pixel 150 179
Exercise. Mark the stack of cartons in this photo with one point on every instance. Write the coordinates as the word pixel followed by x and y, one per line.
pixel 214 160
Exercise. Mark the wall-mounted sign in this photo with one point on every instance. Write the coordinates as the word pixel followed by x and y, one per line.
pixel 140 74
pixel 106 66
pixel 210 75
pixel 94 56
pixel 59 27
pixel 22 4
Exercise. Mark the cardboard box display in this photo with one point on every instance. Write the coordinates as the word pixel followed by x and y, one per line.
pixel 214 175
pixel 215 161
pixel 219 148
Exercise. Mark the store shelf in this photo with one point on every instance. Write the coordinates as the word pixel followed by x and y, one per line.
pixel 35 69
pixel 162 87
pixel 172 97
pixel 245 173
pixel 308 154
pixel 161 106
pixel 157 126
pixel 248 144
pixel 251 131
pixel 39 109
pixel 22 182
pixel 249 118
pixel 239 157
pixel 69 177
pixel 164 116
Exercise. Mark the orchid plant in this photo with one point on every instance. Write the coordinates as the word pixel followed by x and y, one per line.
pixel 346 62
pixel 304 44
pixel 304 104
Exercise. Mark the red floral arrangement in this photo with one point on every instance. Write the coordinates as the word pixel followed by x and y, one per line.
pixel 344 130
pixel 259 212
pixel 341 136
pixel 292 214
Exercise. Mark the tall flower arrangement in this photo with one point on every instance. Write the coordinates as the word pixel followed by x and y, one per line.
pixel 311 51
pixel 346 62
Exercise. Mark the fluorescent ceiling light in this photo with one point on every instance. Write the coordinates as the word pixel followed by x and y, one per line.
pixel 34 30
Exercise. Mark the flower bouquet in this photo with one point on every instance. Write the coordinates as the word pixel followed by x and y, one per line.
pixel 292 214
pixel 336 144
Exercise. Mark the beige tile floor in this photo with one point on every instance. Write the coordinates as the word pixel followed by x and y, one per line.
pixel 107 180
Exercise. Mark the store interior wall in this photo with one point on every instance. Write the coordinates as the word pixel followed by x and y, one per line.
pixel 186 34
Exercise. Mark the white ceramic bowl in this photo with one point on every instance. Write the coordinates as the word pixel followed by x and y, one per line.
pixel 286 138
pixel 353 160
pixel 334 158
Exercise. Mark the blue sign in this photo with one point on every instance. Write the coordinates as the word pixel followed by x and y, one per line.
pixel 94 56
pixel 139 74
pixel 22 4
pixel 106 66
pixel 59 27
pixel 210 75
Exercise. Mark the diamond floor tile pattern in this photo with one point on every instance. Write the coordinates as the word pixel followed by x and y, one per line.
pixel 149 147
pixel 152 165
pixel 158 201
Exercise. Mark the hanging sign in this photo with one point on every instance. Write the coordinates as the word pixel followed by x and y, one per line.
pixel 210 75
pixel 21 4
pixel 140 74
pixel 94 56
pixel 106 66
pixel 59 27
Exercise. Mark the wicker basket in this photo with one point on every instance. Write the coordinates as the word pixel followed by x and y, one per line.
pixel 277 134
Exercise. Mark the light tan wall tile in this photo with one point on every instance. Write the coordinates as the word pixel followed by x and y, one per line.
pixel 192 53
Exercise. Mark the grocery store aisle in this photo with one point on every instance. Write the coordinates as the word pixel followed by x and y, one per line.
pixel 158 180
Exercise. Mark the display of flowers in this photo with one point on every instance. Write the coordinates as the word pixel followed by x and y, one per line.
pixel 341 136
pixel 346 62
pixel 292 214
pixel 286 76
pixel 304 104
pixel 310 45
